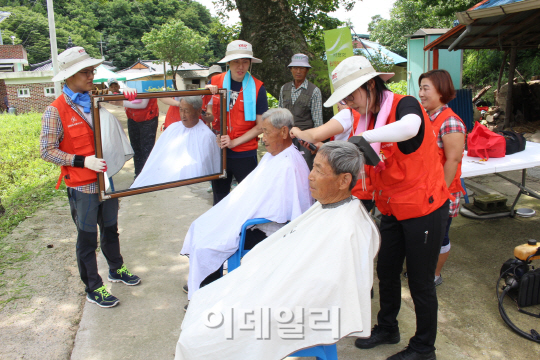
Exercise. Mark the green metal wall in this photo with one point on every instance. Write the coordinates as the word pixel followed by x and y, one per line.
pixel 420 61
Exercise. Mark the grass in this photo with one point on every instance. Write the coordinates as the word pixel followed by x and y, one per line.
pixel 26 181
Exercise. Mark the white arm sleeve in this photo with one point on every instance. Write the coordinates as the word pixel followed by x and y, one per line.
pixel 404 129
pixel 143 104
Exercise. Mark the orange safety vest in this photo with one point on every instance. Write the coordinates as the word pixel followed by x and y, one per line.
pixel 455 186
pixel 148 113
pixel 78 140
pixel 358 190
pixel 412 185
pixel 216 111
pixel 236 123
pixel 173 115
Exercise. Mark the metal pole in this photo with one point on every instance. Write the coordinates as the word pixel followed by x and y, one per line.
pixel 164 76
pixel 1 40
pixel 54 50
pixel 511 69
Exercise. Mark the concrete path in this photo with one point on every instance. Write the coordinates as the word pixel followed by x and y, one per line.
pixel 146 324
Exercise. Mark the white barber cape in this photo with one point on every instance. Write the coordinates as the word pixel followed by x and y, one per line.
pixel 321 262
pixel 181 153
pixel 277 189
pixel 114 142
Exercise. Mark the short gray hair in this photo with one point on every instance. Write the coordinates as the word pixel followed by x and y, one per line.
pixel 279 118
pixel 343 157
pixel 195 101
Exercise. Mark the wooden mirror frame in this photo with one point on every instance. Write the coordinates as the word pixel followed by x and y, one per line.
pixel 97 99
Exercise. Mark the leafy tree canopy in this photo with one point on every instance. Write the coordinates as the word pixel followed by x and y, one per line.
pixel 119 23
pixel 165 45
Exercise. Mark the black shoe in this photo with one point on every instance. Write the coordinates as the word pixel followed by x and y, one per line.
pixel 379 336
pixel 186 306
pixel 185 288
pixel 123 275
pixel 410 354
pixel 101 297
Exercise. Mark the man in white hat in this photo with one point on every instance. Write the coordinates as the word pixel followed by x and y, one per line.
pixel 114 86
pixel 67 139
pixel 246 102
pixel 303 99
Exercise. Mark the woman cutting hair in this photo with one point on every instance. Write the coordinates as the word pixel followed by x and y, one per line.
pixel 436 90
pixel 410 192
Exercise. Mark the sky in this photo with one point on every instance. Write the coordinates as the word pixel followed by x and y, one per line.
pixel 360 15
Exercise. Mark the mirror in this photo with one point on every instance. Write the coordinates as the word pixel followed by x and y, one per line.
pixel 158 141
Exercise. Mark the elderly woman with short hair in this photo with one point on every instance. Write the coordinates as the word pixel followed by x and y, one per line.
pixel 281 281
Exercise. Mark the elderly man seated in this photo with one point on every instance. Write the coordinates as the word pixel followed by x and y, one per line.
pixel 276 190
pixel 307 284
pixel 185 150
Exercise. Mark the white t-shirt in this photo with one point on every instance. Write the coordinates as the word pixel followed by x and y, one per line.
pixel 346 120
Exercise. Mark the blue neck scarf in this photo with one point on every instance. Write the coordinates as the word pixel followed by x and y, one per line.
pixel 250 96
pixel 82 99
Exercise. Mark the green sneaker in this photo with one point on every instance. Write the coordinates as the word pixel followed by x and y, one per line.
pixel 101 297
pixel 123 275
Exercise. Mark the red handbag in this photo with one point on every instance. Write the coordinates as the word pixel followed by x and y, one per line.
pixel 484 143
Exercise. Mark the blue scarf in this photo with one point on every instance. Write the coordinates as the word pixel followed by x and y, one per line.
pixel 81 99
pixel 250 97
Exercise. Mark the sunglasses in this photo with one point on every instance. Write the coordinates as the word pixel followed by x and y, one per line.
pixel 349 98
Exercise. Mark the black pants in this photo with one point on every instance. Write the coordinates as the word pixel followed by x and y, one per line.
pixel 87 213
pixel 308 156
pixel 419 241
pixel 142 136
pixel 253 237
pixel 237 167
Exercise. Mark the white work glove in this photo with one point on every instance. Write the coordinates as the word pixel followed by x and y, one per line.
pixel 95 164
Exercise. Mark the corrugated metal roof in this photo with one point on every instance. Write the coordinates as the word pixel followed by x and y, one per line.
pixel 374 47
pixel 491 3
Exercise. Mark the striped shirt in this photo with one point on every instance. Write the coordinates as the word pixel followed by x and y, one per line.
pixel 52 133
pixel 450 125
pixel 316 101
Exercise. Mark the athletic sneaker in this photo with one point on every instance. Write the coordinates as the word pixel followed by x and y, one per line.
pixel 101 297
pixel 185 288
pixel 123 275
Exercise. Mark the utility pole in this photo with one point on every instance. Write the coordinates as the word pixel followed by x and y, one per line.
pixel 54 50
pixel 100 42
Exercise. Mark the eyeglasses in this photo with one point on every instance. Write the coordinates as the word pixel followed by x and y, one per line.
pixel 349 98
pixel 88 72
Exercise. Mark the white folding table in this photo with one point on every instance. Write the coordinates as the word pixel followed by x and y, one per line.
pixel 528 158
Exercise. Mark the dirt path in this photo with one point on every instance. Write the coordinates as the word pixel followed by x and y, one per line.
pixel 46 297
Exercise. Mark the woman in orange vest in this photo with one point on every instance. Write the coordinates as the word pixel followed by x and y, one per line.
pixel 436 90
pixel 340 127
pixel 246 102
pixel 411 194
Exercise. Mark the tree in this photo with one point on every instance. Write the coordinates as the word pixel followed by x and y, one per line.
pixel 165 44
pixel 284 28
pixel 404 20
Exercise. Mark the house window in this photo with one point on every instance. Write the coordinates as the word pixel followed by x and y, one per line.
pixel 49 91
pixel 23 92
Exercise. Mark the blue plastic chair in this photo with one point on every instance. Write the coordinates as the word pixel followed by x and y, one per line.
pixel 321 352
pixel 234 260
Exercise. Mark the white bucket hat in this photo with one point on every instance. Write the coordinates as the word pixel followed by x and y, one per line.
pixel 239 49
pixel 349 75
pixel 214 69
pixel 72 61
pixel 300 60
